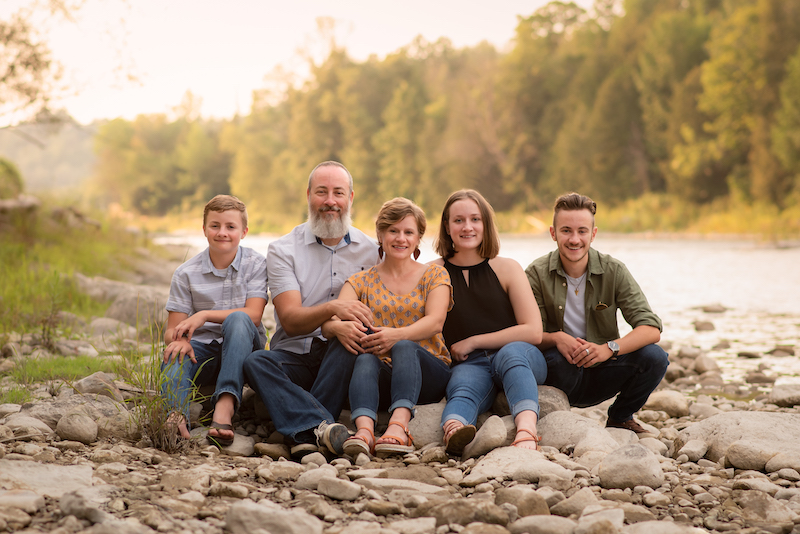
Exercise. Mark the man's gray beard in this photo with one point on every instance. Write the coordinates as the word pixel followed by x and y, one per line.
pixel 325 229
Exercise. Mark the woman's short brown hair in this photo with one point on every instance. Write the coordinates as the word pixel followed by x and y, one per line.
pixel 395 210
pixel 490 246
pixel 224 203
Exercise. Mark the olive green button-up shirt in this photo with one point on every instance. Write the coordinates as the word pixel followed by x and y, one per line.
pixel 609 286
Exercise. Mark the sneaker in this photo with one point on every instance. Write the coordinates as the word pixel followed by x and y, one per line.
pixel 632 425
pixel 332 436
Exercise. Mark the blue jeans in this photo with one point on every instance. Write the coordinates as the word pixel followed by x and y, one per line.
pixel 415 377
pixel 517 367
pixel 222 364
pixel 634 376
pixel 301 391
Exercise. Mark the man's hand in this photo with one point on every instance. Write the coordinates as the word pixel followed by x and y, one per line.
pixel 588 354
pixel 352 310
pixel 187 327
pixel 566 345
pixel 350 334
pixel 180 349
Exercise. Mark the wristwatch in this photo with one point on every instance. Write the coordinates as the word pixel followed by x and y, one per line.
pixel 614 348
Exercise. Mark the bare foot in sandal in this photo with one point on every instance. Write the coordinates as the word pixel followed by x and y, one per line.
pixel 457 436
pixel 527 437
pixel 176 423
pixel 221 429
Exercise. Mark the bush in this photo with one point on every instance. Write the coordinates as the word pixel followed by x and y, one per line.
pixel 10 180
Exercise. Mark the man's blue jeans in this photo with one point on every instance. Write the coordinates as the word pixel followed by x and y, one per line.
pixel 518 368
pixel 415 377
pixel 301 391
pixel 221 363
pixel 634 376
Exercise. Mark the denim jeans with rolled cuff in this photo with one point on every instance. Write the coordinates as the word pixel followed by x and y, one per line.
pixel 516 368
pixel 415 377
pixel 222 364
pixel 301 391
pixel 634 376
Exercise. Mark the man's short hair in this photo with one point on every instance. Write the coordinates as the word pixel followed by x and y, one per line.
pixel 573 202
pixel 224 203
pixel 490 245
pixel 331 164
pixel 395 210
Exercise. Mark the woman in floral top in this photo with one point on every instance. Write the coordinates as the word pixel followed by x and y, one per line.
pixel 403 360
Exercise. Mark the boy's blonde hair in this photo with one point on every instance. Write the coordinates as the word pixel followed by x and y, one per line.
pixel 224 203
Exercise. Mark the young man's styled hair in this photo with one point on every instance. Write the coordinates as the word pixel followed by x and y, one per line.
pixel 224 203
pixel 490 246
pixel 572 202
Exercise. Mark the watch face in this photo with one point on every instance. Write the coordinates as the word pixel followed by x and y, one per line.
pixel 613 346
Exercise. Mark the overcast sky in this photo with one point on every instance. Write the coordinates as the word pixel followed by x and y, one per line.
pixel 221 51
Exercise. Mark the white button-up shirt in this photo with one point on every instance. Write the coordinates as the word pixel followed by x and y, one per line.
pixel 299 261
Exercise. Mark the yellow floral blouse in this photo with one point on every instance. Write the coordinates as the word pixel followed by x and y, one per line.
pixel 397 311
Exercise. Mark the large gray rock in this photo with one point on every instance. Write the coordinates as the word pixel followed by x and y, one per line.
pixel 50 411
pixel 774 432
pixel 629 467
pixel 672 402
pixel 542 525
pixel 568 429
pixel 77 426
pixel 785 395
pixel 661 527
pixel 49 480
pixel 490 435
pixel 101 384
pixel 246 517
pixel 426 426
pixel 139 306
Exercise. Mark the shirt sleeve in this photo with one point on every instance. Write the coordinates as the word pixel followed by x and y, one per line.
pixel 180 294
pixel 632 302
pixel 281 275
pixel 536 286
pixel 257 280
pixel 438 276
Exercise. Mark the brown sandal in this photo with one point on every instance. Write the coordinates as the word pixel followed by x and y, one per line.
pixel 385 448
pixel 358 444
pixel 531 437
pixel 458 439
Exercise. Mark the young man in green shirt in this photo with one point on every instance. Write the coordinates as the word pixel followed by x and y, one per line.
pixel 579 291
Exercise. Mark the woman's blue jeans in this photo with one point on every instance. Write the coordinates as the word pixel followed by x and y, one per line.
pixel 518 368
pixel 634 376
pixel 415 377
pixel 222 364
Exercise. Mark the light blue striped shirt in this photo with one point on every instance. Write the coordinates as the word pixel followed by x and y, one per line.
pixel 198 286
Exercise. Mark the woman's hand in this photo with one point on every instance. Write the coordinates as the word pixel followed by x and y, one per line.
pixel 381 340
pixel 459 351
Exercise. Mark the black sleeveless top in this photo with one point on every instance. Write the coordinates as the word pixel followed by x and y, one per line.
pixel 480 307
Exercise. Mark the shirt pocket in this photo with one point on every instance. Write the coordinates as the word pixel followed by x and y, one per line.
pixel 606 321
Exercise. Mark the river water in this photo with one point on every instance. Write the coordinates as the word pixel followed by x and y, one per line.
pixel 758 283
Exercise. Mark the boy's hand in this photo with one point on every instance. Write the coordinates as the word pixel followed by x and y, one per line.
pixel 180 349
pixel 186 328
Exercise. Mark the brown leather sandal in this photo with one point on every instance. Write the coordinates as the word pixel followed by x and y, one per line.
pixel 458 439
pixel 531 437
pixel 385 447
pixel 358 444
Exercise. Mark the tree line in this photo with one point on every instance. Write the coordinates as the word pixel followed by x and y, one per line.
pixel 696 99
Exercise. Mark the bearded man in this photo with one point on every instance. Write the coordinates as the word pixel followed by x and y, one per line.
pixel 303 378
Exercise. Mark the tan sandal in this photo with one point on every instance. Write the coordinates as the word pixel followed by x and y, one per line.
pixel 531 437
pixel 384 447
pixel 456 441
pixel 358 444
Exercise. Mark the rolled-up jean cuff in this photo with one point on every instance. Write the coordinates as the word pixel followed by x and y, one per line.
pixel 237 400
pixel 363 412
pixel 527 404
pixel 403 403
pixel 454 417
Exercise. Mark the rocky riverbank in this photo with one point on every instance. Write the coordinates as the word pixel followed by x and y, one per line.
pixel 724 455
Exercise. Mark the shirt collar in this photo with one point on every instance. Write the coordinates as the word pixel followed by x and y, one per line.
pixel 309 237
pixel 208 267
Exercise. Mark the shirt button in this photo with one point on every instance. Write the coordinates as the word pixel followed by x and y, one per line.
pixel 563 284
pixel 334 274
pixel 331 294
pixel 560 308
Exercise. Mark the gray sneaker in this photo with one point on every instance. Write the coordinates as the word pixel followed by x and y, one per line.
pixel 332 436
